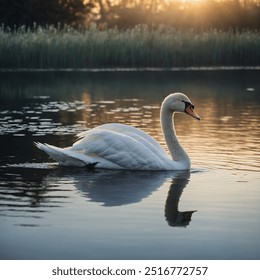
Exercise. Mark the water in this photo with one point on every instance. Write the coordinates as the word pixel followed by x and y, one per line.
pixel 49 212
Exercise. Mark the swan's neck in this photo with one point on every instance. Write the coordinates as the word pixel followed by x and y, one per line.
pixel 176 150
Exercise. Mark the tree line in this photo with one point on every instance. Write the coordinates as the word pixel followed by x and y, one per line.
pixel 205 14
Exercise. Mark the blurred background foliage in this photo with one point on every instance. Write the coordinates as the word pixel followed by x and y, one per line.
pixel 196 14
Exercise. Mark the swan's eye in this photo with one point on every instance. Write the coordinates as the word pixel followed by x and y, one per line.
pixel 188 104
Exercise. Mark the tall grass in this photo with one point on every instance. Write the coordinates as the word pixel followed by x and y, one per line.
pixel 136 47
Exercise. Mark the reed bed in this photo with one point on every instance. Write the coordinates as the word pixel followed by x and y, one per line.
pixel 137 47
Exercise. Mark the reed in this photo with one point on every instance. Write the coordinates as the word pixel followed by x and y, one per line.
pixel 137 47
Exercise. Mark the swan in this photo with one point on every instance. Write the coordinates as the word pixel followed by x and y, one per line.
pixel 120 146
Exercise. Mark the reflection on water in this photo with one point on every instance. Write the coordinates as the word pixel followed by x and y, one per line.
pixel 72 213
pixel 173 216
pixel 117 188
pixel 30 196
pixel 24 196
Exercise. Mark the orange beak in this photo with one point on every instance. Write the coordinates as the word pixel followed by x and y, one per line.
pixel 190 111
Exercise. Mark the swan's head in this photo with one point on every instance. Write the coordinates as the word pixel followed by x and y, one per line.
pixel 179 102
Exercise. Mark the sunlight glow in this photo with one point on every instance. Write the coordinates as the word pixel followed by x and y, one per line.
pixel 191 0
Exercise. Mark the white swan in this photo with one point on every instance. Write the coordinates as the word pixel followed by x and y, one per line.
pixel 119 146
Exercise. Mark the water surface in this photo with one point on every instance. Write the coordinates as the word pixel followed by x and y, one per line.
pixel 49 212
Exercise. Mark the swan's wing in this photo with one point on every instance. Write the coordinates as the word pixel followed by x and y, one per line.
pixel 123 146
pixel 131 131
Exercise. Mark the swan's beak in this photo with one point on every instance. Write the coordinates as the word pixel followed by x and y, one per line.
pixel 190 111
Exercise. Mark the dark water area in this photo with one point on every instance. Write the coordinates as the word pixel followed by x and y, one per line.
pixel 50 212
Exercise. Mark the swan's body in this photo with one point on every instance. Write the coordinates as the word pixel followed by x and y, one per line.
pixel 119 146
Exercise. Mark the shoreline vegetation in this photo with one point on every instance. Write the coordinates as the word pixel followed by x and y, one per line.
pixel 138 47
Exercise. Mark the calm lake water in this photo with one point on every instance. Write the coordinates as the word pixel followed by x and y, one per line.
pixel 49 212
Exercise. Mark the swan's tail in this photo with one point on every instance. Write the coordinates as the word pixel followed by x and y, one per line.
pixel 66 157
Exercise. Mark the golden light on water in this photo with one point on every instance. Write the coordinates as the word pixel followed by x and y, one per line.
pixel 188 1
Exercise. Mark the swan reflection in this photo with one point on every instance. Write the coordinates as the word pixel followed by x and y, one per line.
pixel 112 188
pixel 109 188
pixel 172 214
